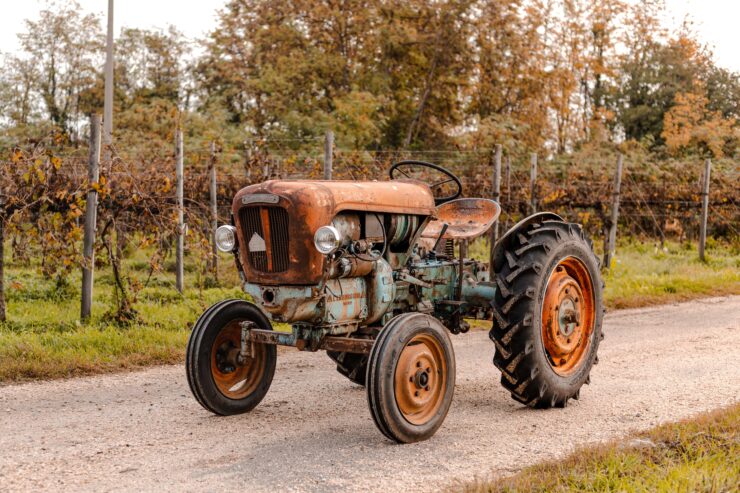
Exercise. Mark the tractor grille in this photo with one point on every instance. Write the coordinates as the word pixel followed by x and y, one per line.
pixel 266 233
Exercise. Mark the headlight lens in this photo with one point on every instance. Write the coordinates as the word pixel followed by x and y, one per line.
pixel 226 238
pixel 327 239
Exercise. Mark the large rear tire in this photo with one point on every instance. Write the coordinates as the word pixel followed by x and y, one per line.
pixel 547 313
pixel 218 380
pixel 411 377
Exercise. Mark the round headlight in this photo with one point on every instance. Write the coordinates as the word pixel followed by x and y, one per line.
pixel 226 238
pixel 327 239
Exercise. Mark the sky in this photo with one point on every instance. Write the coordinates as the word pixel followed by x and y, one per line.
pixel 715 21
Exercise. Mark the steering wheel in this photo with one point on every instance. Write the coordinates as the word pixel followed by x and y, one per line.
pixel 445 186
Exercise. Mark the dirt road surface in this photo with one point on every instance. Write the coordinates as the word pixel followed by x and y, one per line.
pixel 143 431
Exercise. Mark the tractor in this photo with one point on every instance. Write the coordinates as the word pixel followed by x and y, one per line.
pixel 368 272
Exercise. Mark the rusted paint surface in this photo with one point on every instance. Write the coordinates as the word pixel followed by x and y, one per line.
pixel 568 316
pixel 312 204
pixel 466 219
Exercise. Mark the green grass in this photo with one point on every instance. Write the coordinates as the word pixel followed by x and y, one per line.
pixel 701 454
pixel 43 337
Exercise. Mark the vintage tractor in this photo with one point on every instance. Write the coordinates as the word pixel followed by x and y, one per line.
pixel 366 270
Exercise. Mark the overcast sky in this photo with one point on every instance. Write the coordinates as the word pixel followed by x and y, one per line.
pixel 715 20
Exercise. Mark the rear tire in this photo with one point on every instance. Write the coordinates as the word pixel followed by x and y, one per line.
pixel 411 377
pixel 217 381
pixel 547 313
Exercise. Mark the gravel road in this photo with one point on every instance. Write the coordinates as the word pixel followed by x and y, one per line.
pixel 143 431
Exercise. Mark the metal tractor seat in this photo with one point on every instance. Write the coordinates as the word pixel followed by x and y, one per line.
pixel 466 219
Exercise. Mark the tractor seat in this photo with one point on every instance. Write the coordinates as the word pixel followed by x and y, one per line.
pixel 466 219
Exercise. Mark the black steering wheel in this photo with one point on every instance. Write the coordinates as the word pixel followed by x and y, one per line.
pixel 445 186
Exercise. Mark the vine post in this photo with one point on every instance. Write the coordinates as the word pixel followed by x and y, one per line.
pixel 496 197
pixel 179 255
pixel 328 154
pixel 214 211
pixel 610 240
pixel 91 215
pixel 704 209
pixel 533 183
pixel 2 259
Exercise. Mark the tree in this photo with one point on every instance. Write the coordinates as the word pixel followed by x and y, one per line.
pixel 65 47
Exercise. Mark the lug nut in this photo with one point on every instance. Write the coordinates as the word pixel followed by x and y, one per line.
pixel 429 370
pixel 426 388
pixel 418 364
pixel 416 394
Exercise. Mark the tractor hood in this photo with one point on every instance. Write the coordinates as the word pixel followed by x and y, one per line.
pixel 399 197
pixel 276 221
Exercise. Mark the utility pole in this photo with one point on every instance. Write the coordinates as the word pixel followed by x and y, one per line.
pixel 108 104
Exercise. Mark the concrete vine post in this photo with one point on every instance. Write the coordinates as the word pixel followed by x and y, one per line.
pixel 328 154
pixel 496 197
pixel 2 260
pixel 704 209
pixel 180 252
pixel 91 216
pixel 610 240
pixel 214 211
pixel 533 183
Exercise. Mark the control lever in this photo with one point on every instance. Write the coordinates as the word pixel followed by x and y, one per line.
pixel 439 239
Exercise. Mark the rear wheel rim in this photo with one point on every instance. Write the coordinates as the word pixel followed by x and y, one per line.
pixel 232 379
pixel 421 379
pixel 568 315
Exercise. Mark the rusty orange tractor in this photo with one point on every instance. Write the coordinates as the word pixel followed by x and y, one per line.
pixel 367 271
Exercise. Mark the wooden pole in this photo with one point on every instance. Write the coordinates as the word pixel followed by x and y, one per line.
pixel 704 209
pixel 328 154
pixel 610 241
pixel 214 212
pixel 108 102
pixel 2 261
pixel 496 197
pixel 179 257
pixel 248 161
pixel 533 183
pixel 91 216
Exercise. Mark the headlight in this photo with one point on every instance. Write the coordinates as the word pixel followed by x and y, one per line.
pixel 327 239
pixel 226 238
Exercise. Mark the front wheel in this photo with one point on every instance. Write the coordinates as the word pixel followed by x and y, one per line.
pixel 411 377
pixel 547 313
pixel 220 381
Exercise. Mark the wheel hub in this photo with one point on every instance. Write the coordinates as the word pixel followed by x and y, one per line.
pixel 235 378
pixel 420 379
pixel 567 315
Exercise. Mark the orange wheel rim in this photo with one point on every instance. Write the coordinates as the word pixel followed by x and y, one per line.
pixel 568 316
pixel 235 380
pixel 420 379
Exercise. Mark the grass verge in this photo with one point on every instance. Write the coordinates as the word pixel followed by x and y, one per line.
pixel 43 337
pixel 699 454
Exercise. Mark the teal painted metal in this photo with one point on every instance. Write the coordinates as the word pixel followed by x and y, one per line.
pixel 340 301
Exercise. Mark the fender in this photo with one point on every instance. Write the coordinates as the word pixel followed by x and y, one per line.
pixel 498 251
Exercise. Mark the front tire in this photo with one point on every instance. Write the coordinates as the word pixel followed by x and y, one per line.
pixel 219 382
pixel 411 377
pixel 547 313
